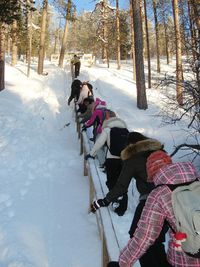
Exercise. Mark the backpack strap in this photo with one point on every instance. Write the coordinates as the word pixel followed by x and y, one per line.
pixel 172 187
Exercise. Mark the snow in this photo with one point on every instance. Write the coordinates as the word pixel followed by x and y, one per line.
pixel 44 197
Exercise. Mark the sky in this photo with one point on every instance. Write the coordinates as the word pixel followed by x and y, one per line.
pixel 90 4
pixel 44 197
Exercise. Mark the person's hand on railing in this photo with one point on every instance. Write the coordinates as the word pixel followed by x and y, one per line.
pixel 88 156
pixel 83 128
pixel 98 204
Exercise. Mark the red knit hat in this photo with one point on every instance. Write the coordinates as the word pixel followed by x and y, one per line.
pixel 155 161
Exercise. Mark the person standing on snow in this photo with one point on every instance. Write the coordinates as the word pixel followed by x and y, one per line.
pixel 134 158
pixel 77 64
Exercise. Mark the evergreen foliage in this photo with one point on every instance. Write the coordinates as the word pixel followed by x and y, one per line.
pixel 10 10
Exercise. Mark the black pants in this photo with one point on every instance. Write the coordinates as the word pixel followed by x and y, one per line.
pixel 77 69
pixel 113 169
pixel 155 256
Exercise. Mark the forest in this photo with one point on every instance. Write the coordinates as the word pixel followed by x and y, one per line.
pixel 34 31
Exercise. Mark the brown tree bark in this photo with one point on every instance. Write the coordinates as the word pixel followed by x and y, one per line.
pixel 192 32
pixel 118 36
pixel 29 41
pixel 14 43
pixel 132 40
pixel 166 34
pixel 157 35
pixel 2 59
pixel 64 39
pixel 148 48
pixel 138 41
pixel 195 4
pixel 179 69
pixel 42 38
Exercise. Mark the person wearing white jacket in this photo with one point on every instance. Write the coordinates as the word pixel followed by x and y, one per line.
pixel 113 163
pixel 84 93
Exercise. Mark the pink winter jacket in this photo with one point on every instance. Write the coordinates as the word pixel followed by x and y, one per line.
pixel 97 115
pixel 158 207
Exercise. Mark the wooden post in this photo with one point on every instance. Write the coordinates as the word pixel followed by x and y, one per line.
pixel 81 145
pixel 105 253
pixel 85 170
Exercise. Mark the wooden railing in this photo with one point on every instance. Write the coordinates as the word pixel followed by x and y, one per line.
pixel 110 244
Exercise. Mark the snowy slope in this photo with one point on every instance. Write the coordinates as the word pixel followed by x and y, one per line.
pixel 44 198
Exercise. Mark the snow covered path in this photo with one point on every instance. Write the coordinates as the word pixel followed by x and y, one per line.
pixel 44 220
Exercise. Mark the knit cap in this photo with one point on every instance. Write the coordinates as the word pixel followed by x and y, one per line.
pixel 155 161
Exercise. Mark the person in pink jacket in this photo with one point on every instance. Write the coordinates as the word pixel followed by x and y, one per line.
pixel 96 120
pixel 158 208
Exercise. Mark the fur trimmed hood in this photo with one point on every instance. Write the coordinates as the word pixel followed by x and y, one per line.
pixel 141 146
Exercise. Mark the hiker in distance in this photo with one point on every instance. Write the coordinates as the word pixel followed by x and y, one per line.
pixel 77 65
pixel 134 158
pixel 113 163
pixel 158 208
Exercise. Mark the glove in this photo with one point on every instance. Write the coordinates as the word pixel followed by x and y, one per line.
pixel 83 128
pixel 113 264
pixel 98 204
pixel 89 156
pixel 68 102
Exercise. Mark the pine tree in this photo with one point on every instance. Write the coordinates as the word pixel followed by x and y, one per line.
pixel 9 11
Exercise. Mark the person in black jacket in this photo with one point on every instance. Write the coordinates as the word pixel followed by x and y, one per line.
pixel 75 90
pixel 134 158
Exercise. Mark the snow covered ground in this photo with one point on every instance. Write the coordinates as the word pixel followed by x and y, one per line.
pixel 44 197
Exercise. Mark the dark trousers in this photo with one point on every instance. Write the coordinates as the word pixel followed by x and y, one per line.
pixel 113 169
pixel 155 256
pixel 77 69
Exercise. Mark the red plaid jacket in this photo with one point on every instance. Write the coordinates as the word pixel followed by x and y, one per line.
pixel 158 207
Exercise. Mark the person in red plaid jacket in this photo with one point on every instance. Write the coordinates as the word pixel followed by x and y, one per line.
pixel 158 208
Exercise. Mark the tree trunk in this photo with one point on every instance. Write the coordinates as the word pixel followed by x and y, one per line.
pixel 14 43
pixel 148 49
pixel 138 40
pixel 166 34
pixel 192 32
pixel 132 40
pixel 179 69
pixel 157 35
pixel 118 36
pixel 55 41
pixel 143 27
pixel 29 39
pixel 74 31
pixel 2 60
pixel 42 38
pixel 64 39
pixel 195 5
